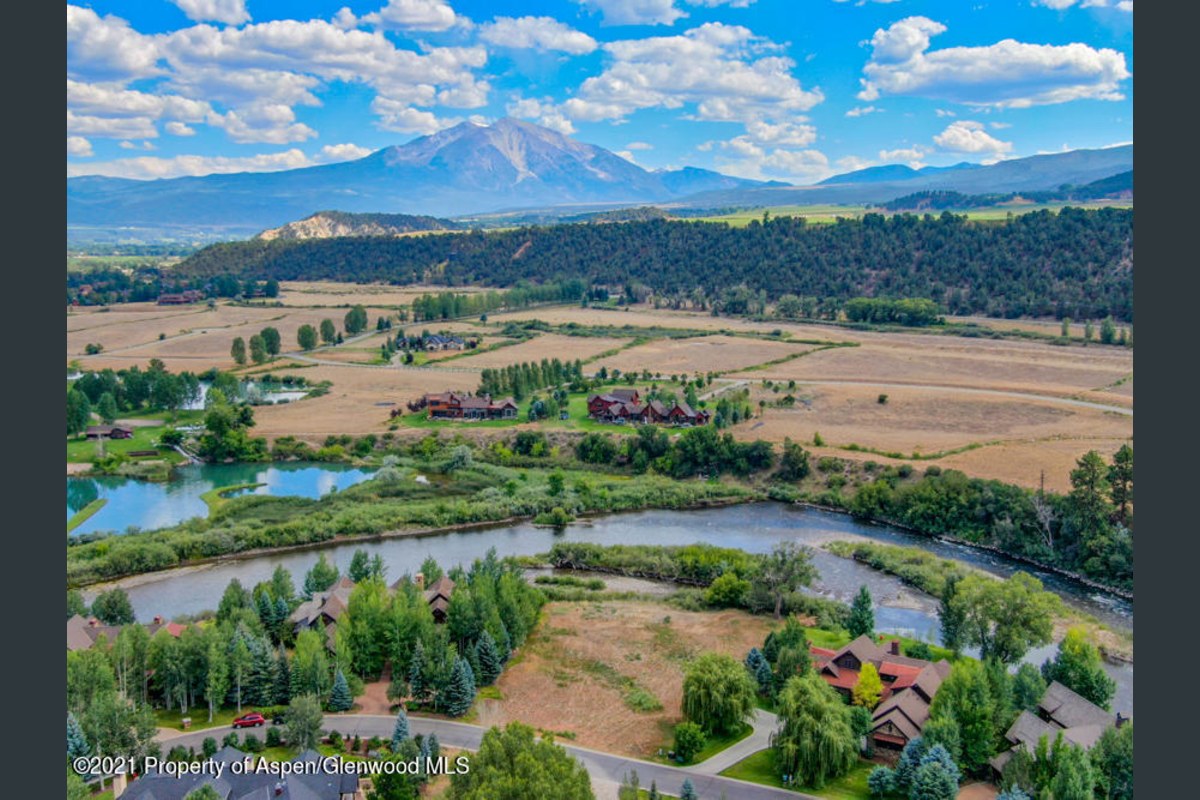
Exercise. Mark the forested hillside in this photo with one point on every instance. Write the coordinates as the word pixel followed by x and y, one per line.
pixel 1075 263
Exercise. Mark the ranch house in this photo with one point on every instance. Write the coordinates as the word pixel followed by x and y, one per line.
pixel 624 406
pixel 909 685
pixel 457 405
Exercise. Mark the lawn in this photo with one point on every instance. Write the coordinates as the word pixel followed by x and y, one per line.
pixel 81 450
pixel 715 744
pixel 223 718
pixel 85 513
pixel 832 640
pixel 761 768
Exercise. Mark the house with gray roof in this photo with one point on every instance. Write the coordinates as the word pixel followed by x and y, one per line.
pixel 302 784
pixel 1060 711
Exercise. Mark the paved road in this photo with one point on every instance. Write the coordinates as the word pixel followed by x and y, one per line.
pixel 606 769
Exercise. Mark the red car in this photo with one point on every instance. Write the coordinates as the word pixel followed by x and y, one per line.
pixel 251 720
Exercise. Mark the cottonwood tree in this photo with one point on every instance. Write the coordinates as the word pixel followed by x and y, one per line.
pixel 79 412
pixel 238 350
pixel 320 577
pixel 113 607
pixel 272 340
pixel 511 763
pixel 1004 618
pixel 328 331
pixel 302 722
pixel 862 615
pixel 258 349
pixel 784 570
pixel 1077 666
pixel 306 337
pixel 216 682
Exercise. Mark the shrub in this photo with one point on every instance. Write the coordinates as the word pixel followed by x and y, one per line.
pixel 273 737
pixel 689 740
pixel 252 744
pixel 727 591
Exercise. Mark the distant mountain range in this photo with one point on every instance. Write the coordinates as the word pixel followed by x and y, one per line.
pixel 466 169
pixel 475 169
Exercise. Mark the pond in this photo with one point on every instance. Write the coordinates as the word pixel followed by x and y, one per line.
pixel 147 505
pixel 254 392
pixel 755 527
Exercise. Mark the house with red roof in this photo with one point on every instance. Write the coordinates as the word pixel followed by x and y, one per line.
pixel 909 685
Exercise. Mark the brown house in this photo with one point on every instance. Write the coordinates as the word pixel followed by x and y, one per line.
pixel 909 685
pixel 456 405
pixel 82 633
pixel 438 597
pixel 324 609
pixel 1060 710
pixel 625 406
pixel 108 432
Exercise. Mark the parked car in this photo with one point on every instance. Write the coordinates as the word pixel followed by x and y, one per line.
pixel 251 720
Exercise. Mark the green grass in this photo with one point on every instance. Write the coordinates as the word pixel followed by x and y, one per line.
pixel 85 513
pixel 761 768
pixel 85 451
pixel 215 498
pixel 223 718
pixel 715 744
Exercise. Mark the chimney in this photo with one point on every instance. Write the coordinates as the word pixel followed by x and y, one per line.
pixel 894 647
pixel 93 622
pixel 419 579
pixel 158 620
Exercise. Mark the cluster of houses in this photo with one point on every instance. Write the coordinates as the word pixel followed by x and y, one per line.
pixel 325 608
pixel 83 633
pixel 307 779
pixel 909 685
pixel 625 406
pixel 464 405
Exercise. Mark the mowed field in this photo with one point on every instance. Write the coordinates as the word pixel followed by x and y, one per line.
pixel 577 668
pixel 1000 408
pixel 332 293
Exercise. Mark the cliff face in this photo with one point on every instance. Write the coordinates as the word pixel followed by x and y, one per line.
pixel 329 224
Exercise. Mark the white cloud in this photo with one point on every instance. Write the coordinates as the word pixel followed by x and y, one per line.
pixel 789 165
pixel 944 112
pixel 852 163
pixel 862 111
pixel 270 124
pixel 231 12
pixel 543 111
pixel 111 99
pixel 1061 5
pixel 1008 74
pixel 145 145
pixel 639 146
pixel 344 152
pixel 415 15
pixel 78 146
pixel 635 12
pixel 967 136
pixel 719 69
pixel 999 126
pixel 1125 5
pixel 913 156
pixel 109 47
pixel 626 154
pixel 147 167
pixel 716 3
pixel 395 115
pixel 540 33
pixel 179 129
pixel 104 127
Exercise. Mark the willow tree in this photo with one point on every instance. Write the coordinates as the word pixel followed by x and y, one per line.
pixel 718 693
pixel 815 740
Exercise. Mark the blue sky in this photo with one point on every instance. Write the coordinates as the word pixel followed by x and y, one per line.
pixel 793 90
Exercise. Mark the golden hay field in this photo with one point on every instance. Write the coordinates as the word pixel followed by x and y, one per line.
pixel 945 392
pixel 564 679
pixel 333 293
pixel 701 354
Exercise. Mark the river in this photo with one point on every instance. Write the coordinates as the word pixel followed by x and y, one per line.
pixel 755 527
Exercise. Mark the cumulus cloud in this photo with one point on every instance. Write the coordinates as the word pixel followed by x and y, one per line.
pixel 344 152
pixel 797 166
pixel 231 12
pixel 716 3
pixel 724 71
pixel 399 116
pixel 967 136
pixel 536 33
pixel 269 124
pixel 108 128
pixel 113 100
pixel 544 112
pixel 148 167
pixel 635 12
pixel 415 15
pixel 128 145
pixel 78 146
pixel 913 156
pixel 1007 74
pixel 862 111
pixel 1061 5
pixel 179 129
pixel 639 146
pixel 109 47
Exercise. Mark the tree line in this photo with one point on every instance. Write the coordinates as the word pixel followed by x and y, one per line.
pixel 451 305
pixel 1076 263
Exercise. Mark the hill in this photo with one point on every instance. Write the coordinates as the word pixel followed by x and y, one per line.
pixel 1116 187
pixel 330 224
pixel 879 184
pixel 1075 263
pixel 465 169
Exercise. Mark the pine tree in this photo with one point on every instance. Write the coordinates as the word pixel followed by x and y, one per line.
pixel 263 674
pixel 435 747
pixel 862 615
pixel 77 745
pixel 490 665
pixel 687 791
pixel 340 699
pixel 654 795
pixel 283 680
pixel 400 732
pixel 459 694
pixel 416 672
